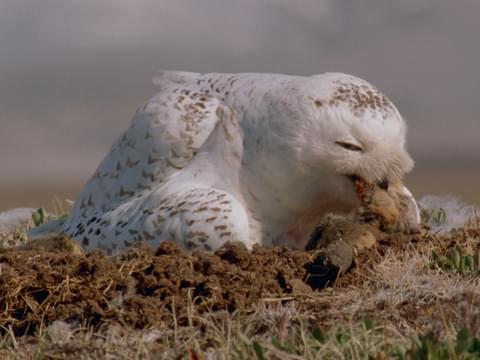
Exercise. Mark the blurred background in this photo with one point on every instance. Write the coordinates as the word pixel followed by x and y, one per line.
pixel 72 74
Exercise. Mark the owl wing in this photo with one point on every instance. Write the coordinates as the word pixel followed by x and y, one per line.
pixel 164 135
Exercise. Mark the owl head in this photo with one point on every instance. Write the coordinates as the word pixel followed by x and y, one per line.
pixel 361 132
pixel 340 130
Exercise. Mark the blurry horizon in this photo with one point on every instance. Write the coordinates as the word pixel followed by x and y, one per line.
pixel 73 74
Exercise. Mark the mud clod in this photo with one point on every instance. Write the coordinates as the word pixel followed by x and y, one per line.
pixel 142 288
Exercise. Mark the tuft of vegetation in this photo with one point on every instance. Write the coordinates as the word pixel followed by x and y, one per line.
pixel 428 347
pixel 457 260
pixel 39 217
pixel 436 217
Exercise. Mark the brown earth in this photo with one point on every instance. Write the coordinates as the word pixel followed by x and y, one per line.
pixel 143 288
pixel 57 304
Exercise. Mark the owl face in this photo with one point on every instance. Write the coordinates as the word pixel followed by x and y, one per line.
pixel 349 135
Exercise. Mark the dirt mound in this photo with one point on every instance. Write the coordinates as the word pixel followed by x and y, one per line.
pixel 143 287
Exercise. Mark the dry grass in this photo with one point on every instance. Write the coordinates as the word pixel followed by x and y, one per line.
pixel 380 309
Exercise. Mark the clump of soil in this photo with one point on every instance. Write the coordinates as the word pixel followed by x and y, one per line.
pixel 55 243
pixel 169 287
pixel 142 287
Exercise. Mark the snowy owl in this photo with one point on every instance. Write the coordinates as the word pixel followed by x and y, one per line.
pixel 256 158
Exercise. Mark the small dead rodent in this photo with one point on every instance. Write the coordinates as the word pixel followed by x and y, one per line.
pixel 390 210
pixel 340 238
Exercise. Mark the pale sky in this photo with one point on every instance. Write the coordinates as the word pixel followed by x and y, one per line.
pixel 73 72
